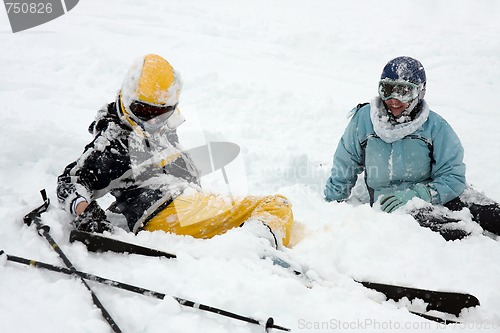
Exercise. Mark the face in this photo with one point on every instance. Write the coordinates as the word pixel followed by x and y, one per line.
pixel 396 106
pixel 397 95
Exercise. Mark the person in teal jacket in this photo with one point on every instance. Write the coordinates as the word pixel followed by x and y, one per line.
pixel 407 151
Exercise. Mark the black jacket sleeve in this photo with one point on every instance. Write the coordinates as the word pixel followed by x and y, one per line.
pixel 103 161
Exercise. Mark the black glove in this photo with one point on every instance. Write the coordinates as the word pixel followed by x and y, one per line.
pixel 446 226
pixel 93 219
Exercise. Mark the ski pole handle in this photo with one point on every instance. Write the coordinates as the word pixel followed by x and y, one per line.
pixel 37 212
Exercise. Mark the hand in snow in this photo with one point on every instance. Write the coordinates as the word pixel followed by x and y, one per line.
pixel 93 219
pixel 392 202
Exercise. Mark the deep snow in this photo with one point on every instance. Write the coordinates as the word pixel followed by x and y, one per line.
pixel 277 78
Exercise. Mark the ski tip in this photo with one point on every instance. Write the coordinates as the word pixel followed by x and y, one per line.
pixel 472 301
pixel 73 235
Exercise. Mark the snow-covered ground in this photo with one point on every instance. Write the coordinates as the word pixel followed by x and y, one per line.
pixel 277 78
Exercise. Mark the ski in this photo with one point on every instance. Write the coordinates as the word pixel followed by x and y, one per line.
pixel 99 243
pixel 447 303
pixel 442 301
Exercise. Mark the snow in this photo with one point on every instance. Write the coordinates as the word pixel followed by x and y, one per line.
pixel 277 78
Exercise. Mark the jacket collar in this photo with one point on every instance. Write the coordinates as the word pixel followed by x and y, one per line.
pixel 390 131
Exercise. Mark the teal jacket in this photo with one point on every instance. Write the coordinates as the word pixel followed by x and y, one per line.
pixel 394 157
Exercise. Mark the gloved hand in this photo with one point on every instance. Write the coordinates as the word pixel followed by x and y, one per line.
pixel 396 200
pixel 93 219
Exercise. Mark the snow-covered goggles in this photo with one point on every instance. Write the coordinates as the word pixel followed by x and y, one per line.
pixel 146 111
pixel 403 91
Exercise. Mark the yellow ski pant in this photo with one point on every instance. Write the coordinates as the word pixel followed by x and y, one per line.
pixel 204 215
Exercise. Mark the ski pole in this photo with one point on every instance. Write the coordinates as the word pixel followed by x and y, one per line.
pixel 43 230
pixel 120 285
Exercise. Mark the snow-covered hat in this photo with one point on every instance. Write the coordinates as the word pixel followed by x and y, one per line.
pixel 150 92
pixel 404 69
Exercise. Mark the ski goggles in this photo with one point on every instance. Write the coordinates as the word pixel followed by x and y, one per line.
pixel 146 111
pixel 403 91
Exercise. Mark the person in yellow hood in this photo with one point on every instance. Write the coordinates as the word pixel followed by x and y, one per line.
pixel 135 155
